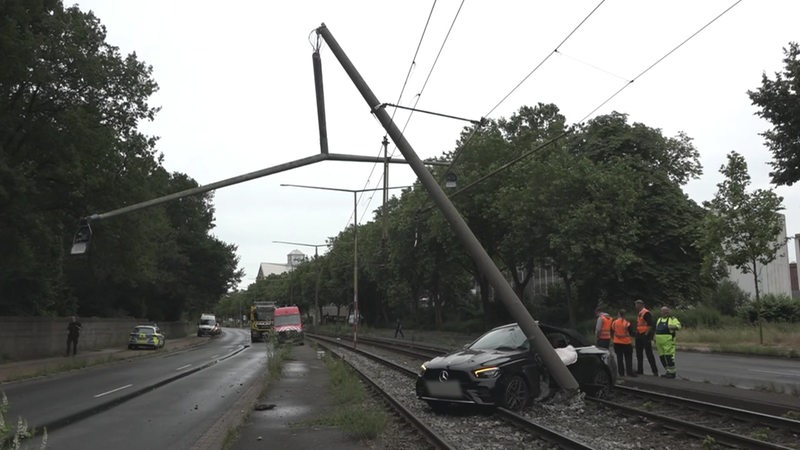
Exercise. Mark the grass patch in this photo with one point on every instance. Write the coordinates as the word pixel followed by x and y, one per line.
pixel 13 434
pixel 356 415
pixel 780 339
pixel 794 415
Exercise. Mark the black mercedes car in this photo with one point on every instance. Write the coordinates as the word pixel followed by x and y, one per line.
pixel 500 369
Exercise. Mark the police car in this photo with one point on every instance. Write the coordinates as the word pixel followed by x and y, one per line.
pixel 148 336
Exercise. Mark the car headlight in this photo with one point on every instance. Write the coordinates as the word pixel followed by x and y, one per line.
pixel 486 372
pixel 422 370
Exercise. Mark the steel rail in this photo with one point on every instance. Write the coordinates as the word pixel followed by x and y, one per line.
pixel 543 433
pixel 694 429
pixel 426 432
pixel 742 414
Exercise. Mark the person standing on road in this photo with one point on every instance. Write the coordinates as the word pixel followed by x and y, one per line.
pixel 73 332
pixel 602 328
pixel 398 329
pixel 666 326
pixel 645 330
pixel 622 336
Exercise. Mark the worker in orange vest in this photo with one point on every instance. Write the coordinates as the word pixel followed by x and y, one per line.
pixel 645 330
pixel 602 328
pixel 622 333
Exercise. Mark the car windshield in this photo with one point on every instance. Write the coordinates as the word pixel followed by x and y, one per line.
pixel 143 330
pixel 208 322
pixel 264 313
pixel 292 319
pixel 510 338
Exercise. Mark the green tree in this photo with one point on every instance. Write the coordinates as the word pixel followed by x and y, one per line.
pixel 779 100
pixel 70 105
pixel 663 264
pixel 743 229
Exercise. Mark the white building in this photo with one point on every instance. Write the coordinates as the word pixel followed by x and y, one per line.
pixel 773 278
pixel 293 259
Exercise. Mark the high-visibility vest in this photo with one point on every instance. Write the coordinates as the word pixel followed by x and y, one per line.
pixel 621 329
pixel 663 324
pixel 641 325
pixel 605 327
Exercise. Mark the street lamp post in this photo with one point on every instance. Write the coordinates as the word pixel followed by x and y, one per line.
pixel 356 315
pixel 319 273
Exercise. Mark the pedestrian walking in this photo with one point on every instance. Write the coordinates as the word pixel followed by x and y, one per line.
pixel 645 330
pixel 398 329
pixel 602 328
pixel 666 326
pixel 622 332
pixel 73 332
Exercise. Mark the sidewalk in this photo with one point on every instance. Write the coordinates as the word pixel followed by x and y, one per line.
pixel 18 370
pixel 301 395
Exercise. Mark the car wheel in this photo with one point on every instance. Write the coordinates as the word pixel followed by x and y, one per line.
pixel 515 393
pixel 601 384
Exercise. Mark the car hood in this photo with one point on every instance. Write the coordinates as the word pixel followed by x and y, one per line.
pixel 468 359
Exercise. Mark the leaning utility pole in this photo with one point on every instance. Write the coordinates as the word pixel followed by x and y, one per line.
pixel 484 262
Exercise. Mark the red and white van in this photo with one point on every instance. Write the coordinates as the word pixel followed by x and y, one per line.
pixel 288 324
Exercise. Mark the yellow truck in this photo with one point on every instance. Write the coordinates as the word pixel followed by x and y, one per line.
pixel 262 320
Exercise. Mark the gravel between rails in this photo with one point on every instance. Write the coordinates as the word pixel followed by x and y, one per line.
pixel 468 428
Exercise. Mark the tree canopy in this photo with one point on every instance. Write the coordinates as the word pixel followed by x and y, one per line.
pixel 743 228
pixel 597 206
pixel 779 103
pixel 70 105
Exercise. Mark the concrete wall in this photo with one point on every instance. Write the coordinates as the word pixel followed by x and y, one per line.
pixel 37 337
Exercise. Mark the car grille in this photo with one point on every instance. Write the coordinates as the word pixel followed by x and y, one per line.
pixel 452 375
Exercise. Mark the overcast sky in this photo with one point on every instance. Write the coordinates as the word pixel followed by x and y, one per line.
pixel 237 90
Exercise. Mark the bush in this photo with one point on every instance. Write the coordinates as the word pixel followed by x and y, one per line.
pixel 700 316
pixel 728 298
pixel 774 308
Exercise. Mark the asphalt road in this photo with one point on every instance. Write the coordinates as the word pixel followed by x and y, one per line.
pixel 188 399
pixel 167 401
pixel 778 375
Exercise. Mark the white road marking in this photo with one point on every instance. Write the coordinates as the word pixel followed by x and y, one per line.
pixel 113 390
pixel 183 367
pixel 777 372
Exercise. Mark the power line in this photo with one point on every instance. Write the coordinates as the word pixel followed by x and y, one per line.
pixel 418 96
pixel 568 131
pixel 399 98
pixel 661 59
pixel 524 79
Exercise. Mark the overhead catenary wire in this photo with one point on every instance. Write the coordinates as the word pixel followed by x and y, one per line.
pixel 399 98
pixel 658 61
pixel 418 96
pixel 568 131
pixel 456 155
pixel 594 110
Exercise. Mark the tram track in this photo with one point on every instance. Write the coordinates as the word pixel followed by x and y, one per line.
pixel 699 424
pixel 515 429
